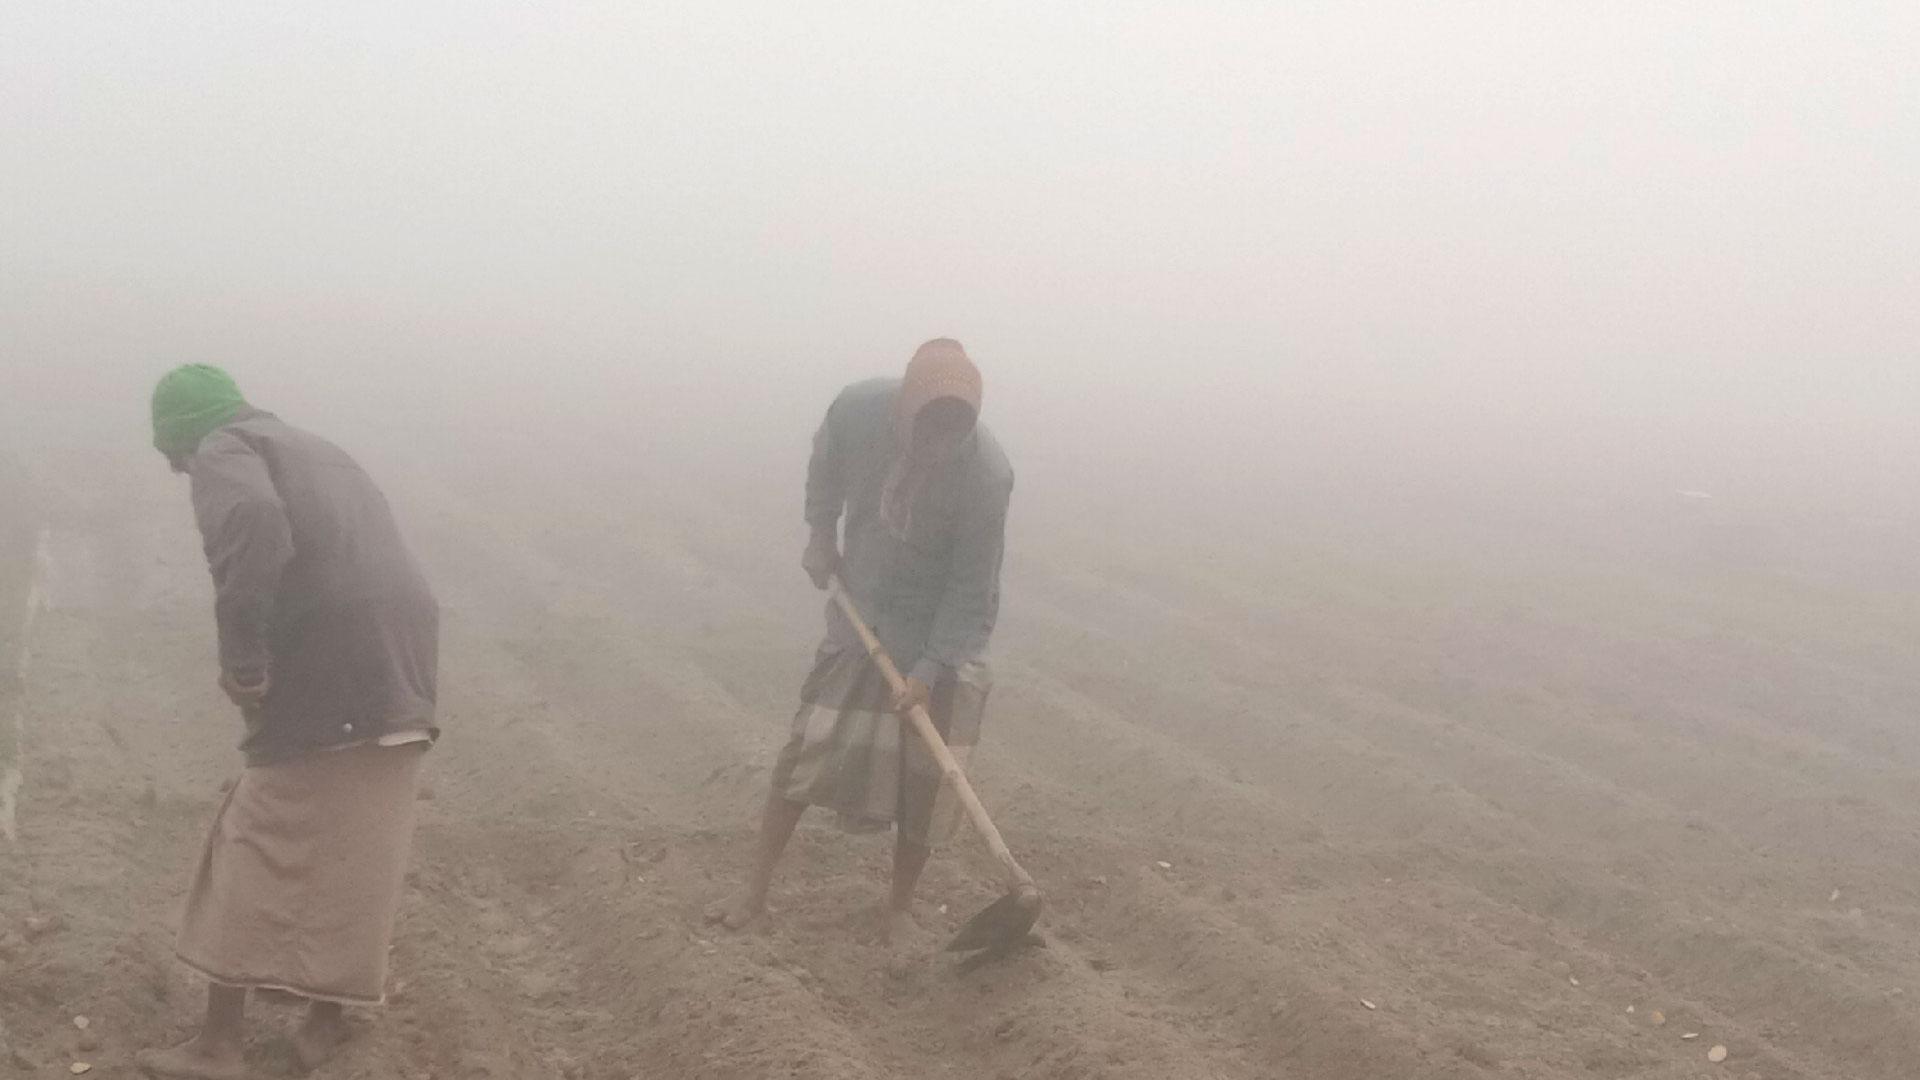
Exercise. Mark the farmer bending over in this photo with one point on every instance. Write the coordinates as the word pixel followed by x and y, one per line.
pixel 328 645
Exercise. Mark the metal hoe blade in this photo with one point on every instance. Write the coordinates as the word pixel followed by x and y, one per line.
pixel 1002 924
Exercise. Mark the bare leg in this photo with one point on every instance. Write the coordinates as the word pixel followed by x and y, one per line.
pixel 909 859
pixel 215 1053
pixel 320 1035
pixel 776 828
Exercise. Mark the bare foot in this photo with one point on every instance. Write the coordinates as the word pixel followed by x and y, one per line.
pixel 896 928
pixel 737 914
pixel 196 1059
pixel 319 1037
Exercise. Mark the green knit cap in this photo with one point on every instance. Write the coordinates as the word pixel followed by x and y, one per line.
pixel 192 401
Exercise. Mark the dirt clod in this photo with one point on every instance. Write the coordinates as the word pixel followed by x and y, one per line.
pixel 40 926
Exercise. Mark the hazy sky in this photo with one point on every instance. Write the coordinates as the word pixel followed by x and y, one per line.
pixel 1679 230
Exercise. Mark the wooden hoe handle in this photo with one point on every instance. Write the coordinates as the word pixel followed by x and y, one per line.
pixel 929 734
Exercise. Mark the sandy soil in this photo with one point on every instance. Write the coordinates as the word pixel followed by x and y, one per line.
pixel 1519 802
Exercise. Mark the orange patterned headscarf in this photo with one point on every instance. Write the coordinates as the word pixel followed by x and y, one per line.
pixel 939 369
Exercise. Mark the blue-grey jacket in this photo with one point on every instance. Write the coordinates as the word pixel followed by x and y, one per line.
pixel 933 597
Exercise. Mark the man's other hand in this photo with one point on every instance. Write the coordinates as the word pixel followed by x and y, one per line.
pixel 248 694
pixel 822 559
pixel 913 693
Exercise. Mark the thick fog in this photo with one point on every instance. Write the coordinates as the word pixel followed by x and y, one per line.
pixel 1460 594
pixel 1227 254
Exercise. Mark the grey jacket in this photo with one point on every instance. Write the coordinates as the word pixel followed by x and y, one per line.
pixel 933 597
pixel 314 587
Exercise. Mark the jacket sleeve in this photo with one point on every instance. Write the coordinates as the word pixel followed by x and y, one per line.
pixel 827 469
pixel 970 602
pixel 248 541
